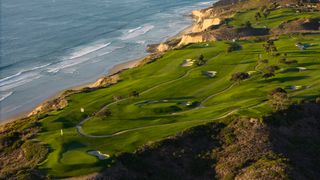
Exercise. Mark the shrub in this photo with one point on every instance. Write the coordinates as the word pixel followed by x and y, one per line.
pixel 277 90
pixel 233 47
pixel 135 94
pixel 200 61
pixel 9 139
pixel 279 99
pixel 268 75
pixel 272 69
pixel 240 76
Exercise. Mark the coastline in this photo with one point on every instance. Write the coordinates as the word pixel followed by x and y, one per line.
pixel 114 70
pixel 118 68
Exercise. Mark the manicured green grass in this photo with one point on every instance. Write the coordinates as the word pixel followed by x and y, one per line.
pixel 274 19
pixel 165 88
pixel 69 156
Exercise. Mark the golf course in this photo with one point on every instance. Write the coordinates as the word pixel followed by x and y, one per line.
pixel 165 97
pixel 173 98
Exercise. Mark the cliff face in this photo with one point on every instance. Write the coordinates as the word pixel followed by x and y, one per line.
pixel 204 19
pixel 200 15
pixel 210 23
pixel 163 47
pixel 106 81
pixel 205 24
pixel 191 38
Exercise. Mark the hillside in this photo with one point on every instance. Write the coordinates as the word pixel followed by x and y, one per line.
pixel 272 148
pixel 233 100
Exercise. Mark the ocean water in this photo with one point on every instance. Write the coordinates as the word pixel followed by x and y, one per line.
pixel 51 45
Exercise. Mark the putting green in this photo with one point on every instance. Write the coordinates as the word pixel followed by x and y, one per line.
pixel 77 157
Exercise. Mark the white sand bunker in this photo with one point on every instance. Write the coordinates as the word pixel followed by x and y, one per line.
pixel 99 155
pixel 295 87
pixel 210 74
pixel 301 68
pixel 187 63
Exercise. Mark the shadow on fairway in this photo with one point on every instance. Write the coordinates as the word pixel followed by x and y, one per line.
pixel 285 79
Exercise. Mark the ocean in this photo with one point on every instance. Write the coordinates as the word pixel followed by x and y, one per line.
pixel 51 45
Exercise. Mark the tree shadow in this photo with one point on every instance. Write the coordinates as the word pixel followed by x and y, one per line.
pixel 308 64
pixel 285 79
pixel 246 62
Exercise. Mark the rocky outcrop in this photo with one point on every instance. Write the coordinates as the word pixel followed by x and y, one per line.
pixel 163 47
pixel 106 81
pixel 199 15
pixel 191 38
pixel 51 105
pixel 205 24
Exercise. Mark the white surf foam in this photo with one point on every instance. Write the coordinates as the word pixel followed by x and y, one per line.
pixel 205 3
pixel 3 80
pixel 87 50
pixel 20 80
pixel 133 33
pixel 134 29
pixel 4 95
pixel 82 55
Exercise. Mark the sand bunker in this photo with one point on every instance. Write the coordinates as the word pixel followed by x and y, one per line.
pixel 301 68
pixel 99 155
pixel 295 87
pixel 210 73
pixel 187 63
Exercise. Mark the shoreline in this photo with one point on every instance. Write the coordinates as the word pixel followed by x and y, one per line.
pixel 118 68
pixel 114 70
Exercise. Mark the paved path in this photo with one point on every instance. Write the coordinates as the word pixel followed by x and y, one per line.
pixel 163 125
pixel 81 132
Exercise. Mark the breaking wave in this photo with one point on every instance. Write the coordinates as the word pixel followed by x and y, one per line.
pixel 4 95
pixel 81 55
pixel 133 33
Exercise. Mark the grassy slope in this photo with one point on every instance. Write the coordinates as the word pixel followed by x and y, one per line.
pixel 274 19
pixel 68 155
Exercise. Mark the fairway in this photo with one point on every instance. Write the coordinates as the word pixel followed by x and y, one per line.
pixel 234 96
pixel 173 98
